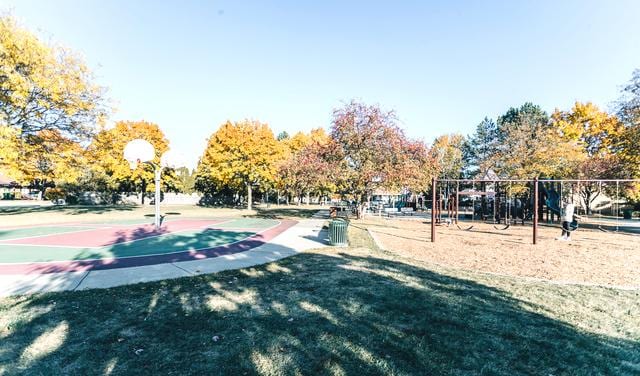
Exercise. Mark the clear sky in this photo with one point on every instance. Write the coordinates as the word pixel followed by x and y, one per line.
pixel 442 65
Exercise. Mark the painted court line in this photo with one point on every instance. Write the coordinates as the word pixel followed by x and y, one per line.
pixel 107 236
pixel 8 241
pixel 163 234
pixel 79 248
pixel 149 254
pixel 253 241
pixel 48 246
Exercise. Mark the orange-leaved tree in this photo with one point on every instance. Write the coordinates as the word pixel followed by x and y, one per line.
pixel 370 149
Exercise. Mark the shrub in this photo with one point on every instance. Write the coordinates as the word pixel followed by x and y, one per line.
pixel 54 194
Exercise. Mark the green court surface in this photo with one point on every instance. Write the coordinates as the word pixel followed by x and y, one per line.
pixel 39 231
pixel 185 241
pixel 34 246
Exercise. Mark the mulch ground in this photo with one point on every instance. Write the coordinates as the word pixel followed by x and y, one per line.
pixel 592 257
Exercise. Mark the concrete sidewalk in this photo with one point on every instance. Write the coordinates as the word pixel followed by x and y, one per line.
pixel 307 234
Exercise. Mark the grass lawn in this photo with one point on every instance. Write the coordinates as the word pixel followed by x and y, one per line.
pixel 30 215
pixel 338 311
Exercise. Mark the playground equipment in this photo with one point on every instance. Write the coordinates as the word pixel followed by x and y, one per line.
pixel 506 202
pixel 553 201
pixel 495 204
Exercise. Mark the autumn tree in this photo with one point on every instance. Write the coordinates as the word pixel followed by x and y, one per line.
pixel 417 168
pixel 369 148
pixel 298 141
pixel 447 153
pixel 48 159
pixel 48 103
pixel 105 155
pixel 629 114
pixel 45 87
pixel 187 180
pixel 303 168
pixel 9 150
pixel 239 156
pixel 597 135
pixel 528 146
pixel 308 170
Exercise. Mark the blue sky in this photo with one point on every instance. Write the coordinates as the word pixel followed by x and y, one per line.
pixel 442 65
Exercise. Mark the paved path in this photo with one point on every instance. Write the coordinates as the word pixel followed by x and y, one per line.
pixel 307 234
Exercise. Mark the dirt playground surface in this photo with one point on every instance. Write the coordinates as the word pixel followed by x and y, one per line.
pixel 592 257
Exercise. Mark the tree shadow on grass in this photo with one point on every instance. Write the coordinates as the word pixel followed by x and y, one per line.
pixel 148 246
pixel 65 209
pixel 308 314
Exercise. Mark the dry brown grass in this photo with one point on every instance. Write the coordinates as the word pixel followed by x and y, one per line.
pixel 592 257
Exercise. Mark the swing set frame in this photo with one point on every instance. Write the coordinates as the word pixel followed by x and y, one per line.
pixel 453 204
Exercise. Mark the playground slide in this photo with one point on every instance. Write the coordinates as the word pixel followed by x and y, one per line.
pixel 553 199
pixel 553 202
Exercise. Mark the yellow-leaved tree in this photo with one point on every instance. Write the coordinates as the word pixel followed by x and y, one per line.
pixel 45 87
pixel 9 150
pixel 296 166
pixel 597 135
pixel 48 105
pixel 106 158
pixel 239 156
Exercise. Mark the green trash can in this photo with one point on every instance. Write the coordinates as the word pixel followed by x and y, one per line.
pixel 338 232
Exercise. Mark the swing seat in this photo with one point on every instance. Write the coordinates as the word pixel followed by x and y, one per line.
pixel 573 225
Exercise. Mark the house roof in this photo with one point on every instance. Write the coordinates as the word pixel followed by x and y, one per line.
pixel 490 175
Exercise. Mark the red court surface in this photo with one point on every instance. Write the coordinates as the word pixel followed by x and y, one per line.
pixel 112 235
pixel 108 246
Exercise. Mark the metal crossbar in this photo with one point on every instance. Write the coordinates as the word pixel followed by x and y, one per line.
pixel 536 194
pixel 539 180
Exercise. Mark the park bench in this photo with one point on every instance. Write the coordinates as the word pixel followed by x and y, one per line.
pixel 406 211
pixel 390 211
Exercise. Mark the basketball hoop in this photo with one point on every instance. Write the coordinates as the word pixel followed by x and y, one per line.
pixel 141 151
pixel 137 151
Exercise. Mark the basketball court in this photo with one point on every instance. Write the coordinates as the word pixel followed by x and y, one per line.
pixel 85 246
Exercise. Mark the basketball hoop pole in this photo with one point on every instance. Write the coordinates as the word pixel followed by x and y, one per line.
pixel 141 151
pixel 157 172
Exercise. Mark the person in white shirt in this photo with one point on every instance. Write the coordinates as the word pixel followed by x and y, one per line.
pixel 567 218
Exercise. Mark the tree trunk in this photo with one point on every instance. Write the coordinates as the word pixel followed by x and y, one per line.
pixel 308 198
pixel 587 201
pixel 249 196
pixel 42 187
pixel 144 190
pixel 360 206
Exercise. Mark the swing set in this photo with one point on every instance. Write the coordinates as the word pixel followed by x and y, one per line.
pixel 507 202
